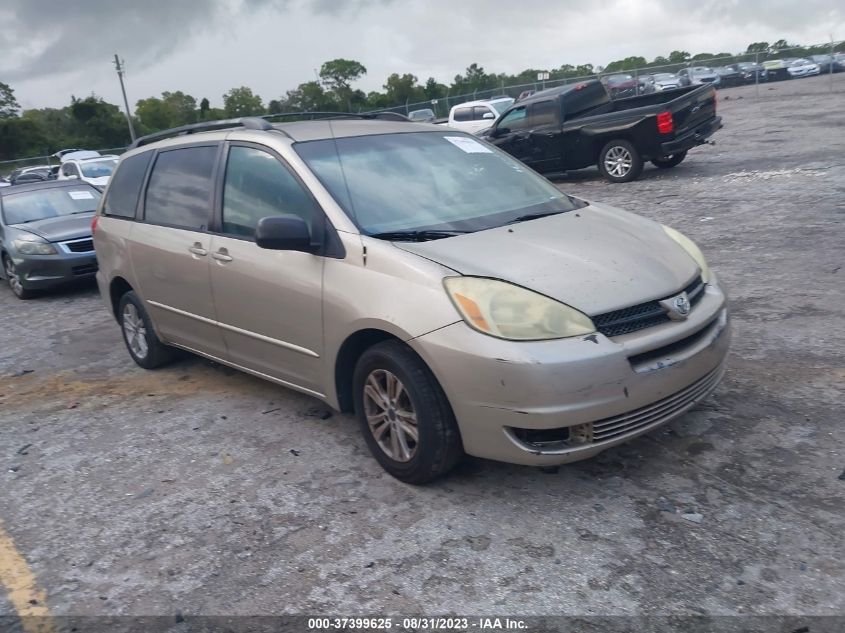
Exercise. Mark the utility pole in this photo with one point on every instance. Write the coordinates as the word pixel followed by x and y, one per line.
pixel 118 64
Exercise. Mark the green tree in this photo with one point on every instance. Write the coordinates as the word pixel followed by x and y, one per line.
pixel 275 107
pixel 153 114
pixel 678 57
pixel 8 104
pixel 204 107
pixel 400 89
pixel 183 107
pixel 242 102
pixel 757 47
pixel 434 90
pixel 308 97
pixel 338 74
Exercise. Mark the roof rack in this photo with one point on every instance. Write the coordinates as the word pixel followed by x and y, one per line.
pixel 259 123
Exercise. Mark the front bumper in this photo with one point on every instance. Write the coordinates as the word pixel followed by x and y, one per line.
pixel 44 271
pixel 696 137
pixel 593 392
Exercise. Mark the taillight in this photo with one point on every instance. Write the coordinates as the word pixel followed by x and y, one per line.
pixel 665 123
pixel 94 224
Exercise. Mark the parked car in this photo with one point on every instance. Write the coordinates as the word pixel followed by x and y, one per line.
pixel 802 68
pixel 456 301
pixel 826 63
pixel 579 125
pixel 35 173
pixel 525 94
pixel 426 115
pixel 5 183
pixel 749 72
pixel 45 234
pixel 473 116
pixel 620 86
pixel 729 77
pixel 776 69
pixel 697 75
pixel 88 166
pixel 658 82
pixel 839 61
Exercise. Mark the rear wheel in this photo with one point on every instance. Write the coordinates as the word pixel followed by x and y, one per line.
pixel 14 279
pixel 144 346
pixel 667 162
pixel 406 419
pixel 619 161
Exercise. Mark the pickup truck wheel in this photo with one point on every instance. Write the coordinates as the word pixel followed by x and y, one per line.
pixel 619 161
pixel 669 161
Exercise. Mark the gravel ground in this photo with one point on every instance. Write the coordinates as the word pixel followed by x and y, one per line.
pixel 201 490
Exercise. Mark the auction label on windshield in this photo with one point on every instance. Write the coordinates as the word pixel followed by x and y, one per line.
pixel 81 195
pixel 419 623
pixel 469 145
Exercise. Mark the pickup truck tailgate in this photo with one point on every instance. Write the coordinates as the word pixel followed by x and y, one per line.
pixel 694 109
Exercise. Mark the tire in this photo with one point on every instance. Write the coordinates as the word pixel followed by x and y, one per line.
pixel 417 403
pixel 144 347
pixel 669 161
pixel 619 161
pixel 15 283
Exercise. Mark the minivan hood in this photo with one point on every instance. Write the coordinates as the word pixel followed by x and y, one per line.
pixel 596 259
pixel 59 229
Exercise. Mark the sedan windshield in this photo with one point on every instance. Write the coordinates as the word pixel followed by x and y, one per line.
pixel 500 105
pixel 98 168
pixel 429 181
pixel 30 206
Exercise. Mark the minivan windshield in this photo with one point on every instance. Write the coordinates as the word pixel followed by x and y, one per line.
pixel 429 181
pixel 41 204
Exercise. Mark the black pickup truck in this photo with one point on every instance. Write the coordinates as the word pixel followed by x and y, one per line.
pixel 579 125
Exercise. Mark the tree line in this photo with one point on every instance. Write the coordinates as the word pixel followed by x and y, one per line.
pixel 91 122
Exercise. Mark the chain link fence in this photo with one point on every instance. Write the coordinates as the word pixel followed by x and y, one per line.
pixel 758 68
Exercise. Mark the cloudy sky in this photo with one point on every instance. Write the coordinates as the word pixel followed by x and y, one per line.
pixel 50 49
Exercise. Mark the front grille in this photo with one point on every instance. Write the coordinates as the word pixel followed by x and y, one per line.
pixel 611 428
pixel 80 246
pixel 644 315
pixel 84 269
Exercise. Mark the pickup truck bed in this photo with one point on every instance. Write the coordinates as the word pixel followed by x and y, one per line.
pixel 579 125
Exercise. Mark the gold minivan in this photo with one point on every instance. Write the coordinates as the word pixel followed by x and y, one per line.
pixel 452 298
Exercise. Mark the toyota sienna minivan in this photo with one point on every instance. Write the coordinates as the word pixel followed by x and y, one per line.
pixel 450 297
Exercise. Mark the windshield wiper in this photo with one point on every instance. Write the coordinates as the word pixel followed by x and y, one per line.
pixel 533 216
pixel 417 236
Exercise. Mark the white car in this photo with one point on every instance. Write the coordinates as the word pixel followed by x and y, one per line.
pixel 474 116
pixel 803 68
pixel 88 166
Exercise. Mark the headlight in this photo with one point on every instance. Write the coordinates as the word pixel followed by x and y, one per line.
pixel 34 246
pixel 689 246
pixel 510 312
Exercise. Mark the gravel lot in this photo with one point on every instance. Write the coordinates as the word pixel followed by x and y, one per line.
pixel 202 490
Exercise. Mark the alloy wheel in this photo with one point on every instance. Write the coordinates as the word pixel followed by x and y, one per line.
pixel 135 331
pixel 618 161
pixel 390 415
pixel 13 277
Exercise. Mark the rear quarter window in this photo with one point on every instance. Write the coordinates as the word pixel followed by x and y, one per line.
pixel 463 114
pixel 122 198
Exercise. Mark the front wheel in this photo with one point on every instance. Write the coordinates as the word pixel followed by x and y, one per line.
pixel 14 279
pixel 406 419
pixel 144 346
pixel 619 161
pixel 667 162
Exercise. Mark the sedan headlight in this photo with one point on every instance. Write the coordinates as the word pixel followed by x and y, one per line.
pixel 34 246
pixel 689 246
pixel 511 312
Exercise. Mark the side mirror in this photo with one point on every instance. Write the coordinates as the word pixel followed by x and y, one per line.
pixel 488 115
pixel 499 131
pixel 284 233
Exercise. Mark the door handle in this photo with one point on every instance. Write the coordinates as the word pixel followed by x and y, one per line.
pixel 197 249
pixel 222 255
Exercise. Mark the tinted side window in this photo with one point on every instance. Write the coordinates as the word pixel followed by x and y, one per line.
pixel 69 169
pixel 478 113
pixel 542 113
pixel 258 186
pixel 126 185
pixel 516 119
pixel 180 188
pixel 463 114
